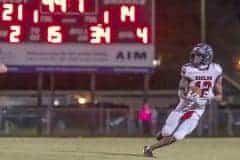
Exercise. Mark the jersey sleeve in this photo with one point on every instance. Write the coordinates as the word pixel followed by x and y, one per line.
pixel 218 70
pixel 186 72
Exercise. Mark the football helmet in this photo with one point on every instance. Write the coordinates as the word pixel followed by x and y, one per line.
pixel 201 54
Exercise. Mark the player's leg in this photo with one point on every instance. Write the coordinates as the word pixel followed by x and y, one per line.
pixel 189 122
pixel 165 135
pixel 186 127
pixel 171 123
pixel 164 141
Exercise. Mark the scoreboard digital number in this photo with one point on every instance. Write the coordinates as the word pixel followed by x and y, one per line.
pixel 77 35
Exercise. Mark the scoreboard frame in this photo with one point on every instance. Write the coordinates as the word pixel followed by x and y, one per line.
pixel 99 58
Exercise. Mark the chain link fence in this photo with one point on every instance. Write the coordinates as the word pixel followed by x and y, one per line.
pixel 108 122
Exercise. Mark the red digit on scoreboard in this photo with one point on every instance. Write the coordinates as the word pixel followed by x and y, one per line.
pixel 81 6
pixel 14 34
pixel 142 33
pixel 35 16
pixel 20 12
pixel 60 21
pixel 53 4
pixel 8 12
pixel 100 34
pixel 128 12
pixel 106 17
pixel 54 34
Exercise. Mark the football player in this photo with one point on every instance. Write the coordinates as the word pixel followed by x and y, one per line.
pixel 201 82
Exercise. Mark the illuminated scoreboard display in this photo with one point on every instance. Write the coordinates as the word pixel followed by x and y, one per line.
pixel 77 35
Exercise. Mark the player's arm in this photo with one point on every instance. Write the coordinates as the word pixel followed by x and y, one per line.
pixel 218 90
pixel 183 87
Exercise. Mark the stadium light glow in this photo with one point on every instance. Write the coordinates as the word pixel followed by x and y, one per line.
pixel 56 102
pixel 82 100
pixel 156 62
pixel 237 64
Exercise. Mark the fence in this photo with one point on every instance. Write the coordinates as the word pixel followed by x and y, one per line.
pixel 106 122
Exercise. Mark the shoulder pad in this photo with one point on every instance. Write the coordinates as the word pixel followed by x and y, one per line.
pixel 186 71
pixel 218 68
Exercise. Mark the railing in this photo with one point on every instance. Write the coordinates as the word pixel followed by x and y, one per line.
pixel 106 122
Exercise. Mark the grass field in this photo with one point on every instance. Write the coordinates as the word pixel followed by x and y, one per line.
pixel 115 149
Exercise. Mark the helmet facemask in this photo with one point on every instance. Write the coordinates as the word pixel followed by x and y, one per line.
pixel 196 59
pixel 201 55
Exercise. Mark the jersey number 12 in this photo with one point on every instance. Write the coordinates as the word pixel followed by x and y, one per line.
pixel 204 86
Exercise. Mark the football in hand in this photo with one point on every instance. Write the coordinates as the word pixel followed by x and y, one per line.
pixel 195 90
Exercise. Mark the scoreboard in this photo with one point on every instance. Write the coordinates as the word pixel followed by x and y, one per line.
pixel 77 35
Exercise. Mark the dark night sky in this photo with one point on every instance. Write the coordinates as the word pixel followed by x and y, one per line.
pixel 178 28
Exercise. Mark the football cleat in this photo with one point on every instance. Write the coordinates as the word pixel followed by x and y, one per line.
pixel 147 151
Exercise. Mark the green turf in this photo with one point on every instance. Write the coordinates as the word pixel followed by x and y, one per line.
pixel 115 149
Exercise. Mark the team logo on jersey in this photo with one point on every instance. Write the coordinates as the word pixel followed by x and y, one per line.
pixel 203 78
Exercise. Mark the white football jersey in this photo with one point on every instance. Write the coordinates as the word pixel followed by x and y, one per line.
pixel 205 79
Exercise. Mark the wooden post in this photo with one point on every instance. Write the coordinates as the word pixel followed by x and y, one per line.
pixel 210 118
pixel 52 89
pixel 215 120
pixel 203 21
pixel 93 87
pixel 229 122
pixel 40 89
pixel 146 86
pixel 50 106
